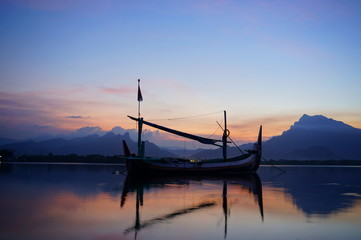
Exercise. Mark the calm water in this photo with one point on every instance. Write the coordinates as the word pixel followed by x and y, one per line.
pixel 48 201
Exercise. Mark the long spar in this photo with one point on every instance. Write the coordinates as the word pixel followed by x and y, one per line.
pixel 179 133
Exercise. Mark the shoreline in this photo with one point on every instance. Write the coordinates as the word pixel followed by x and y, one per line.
pixel 117 160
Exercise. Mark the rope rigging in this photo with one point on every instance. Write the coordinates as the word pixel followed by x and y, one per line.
pixel 280 169
pixel 213 132
pixel 228 133
pixel 180 118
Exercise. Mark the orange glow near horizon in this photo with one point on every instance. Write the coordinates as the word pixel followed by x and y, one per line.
pixel 68 115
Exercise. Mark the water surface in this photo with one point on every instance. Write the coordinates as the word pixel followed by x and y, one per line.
pixel 59 201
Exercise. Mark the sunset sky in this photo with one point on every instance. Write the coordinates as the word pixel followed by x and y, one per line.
pixel 70 64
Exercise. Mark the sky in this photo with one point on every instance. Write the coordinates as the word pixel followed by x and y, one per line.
pixel 71 66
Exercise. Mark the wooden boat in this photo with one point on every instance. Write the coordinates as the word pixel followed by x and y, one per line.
pixel 245 162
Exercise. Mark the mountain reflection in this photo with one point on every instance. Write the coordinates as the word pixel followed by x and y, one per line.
pixel 316 190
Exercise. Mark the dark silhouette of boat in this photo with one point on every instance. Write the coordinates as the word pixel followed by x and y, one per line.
pixel 245 162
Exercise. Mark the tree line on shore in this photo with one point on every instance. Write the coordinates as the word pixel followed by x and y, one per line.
pixel 7 156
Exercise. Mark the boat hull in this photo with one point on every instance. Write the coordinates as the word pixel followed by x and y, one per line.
pixel 241 164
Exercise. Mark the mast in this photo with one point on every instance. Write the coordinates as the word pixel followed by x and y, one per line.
pixel 225 136
pixel 140 124
pixel 140 142
pixel 140 98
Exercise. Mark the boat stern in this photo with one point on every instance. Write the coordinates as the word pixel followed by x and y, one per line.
pixel 258 148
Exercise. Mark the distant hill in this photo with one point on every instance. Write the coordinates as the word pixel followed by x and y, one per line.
pixel 184 153
pixel 310 138
pixel 6 141
pixel 218 153
pixel 109 144
pixel 316 138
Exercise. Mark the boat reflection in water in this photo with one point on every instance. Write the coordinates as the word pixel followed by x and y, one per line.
pixel 213 197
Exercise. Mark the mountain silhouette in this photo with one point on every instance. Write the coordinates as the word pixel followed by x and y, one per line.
pixel 310 138
pixel 108 145
pixel 316 138
pixel 4 141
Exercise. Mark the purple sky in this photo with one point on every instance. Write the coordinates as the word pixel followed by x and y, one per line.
pixel 69 64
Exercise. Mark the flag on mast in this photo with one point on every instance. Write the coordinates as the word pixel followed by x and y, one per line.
pixel 140 97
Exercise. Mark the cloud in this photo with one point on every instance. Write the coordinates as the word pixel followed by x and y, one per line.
pixel 15 107
pixel 85 131
pixel 29 131
pixel 118 90
pixel 76 117
pixel 21 110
